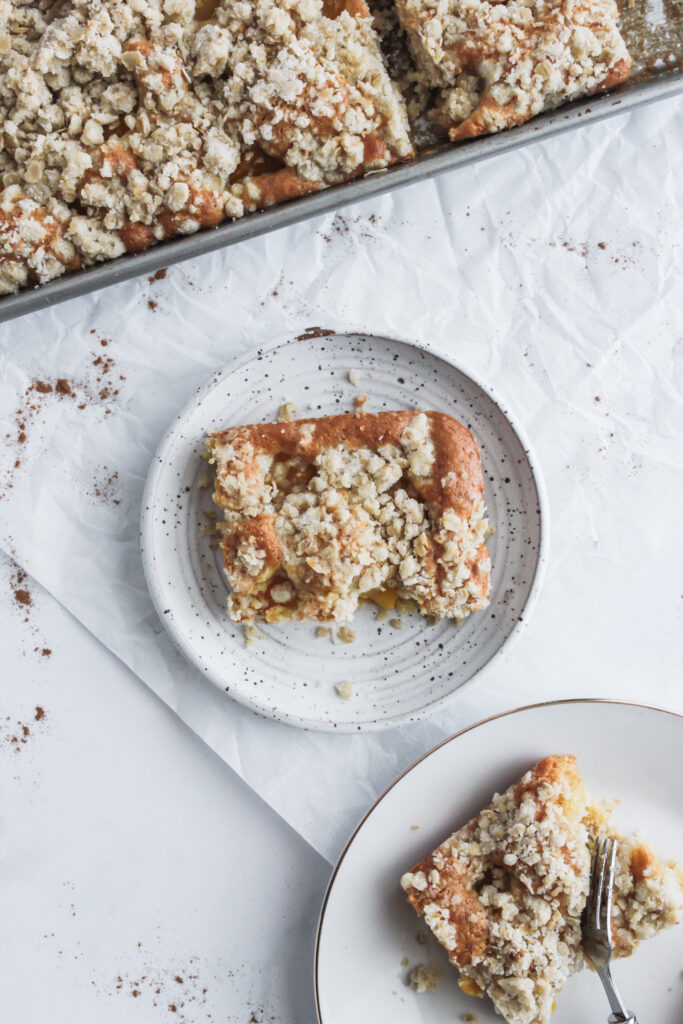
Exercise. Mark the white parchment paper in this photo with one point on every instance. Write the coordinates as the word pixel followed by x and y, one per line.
pixel 554 271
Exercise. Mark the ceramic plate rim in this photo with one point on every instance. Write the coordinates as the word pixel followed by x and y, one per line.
pixel 419 760
pixel 157 466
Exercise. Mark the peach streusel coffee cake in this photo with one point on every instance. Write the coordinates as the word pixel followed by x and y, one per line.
pixel 128 121
pixel 498 64
pixel 319 513
pixel 506 892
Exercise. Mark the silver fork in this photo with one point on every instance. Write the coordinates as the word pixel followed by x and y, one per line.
pixel 596 927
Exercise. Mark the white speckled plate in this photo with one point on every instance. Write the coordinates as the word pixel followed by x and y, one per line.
pixel 290 674
pixel 367 929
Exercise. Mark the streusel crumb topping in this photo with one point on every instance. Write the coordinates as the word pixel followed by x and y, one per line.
pixel 498 64
pixel 318 513
pixel 127 121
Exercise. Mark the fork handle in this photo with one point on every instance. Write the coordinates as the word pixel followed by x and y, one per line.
pixel 620 1018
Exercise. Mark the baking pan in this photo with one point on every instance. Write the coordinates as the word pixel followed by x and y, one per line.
pixel 645 88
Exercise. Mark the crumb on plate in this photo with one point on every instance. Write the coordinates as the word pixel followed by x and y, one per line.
pixel 425 978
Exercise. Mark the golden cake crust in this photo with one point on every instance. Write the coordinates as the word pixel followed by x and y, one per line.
pixel 456 481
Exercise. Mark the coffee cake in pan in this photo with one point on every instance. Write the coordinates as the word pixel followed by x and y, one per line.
pixel 127 122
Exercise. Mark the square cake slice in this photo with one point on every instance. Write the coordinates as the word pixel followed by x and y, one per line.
pixel 506 892
pixel 498 64
pixel 318 514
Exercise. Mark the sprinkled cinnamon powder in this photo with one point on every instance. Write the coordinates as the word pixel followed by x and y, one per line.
pixel 105 487
pixel 22 603
pixel 172 990
pixel 17 734
pixel 99 387
pixel 20 590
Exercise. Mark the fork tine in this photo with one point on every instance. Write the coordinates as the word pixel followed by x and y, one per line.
pixel 590 896
pixel 597 881
pixel 606 903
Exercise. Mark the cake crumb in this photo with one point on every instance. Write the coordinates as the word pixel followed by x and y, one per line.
pixel 359 401
pixel 251 635
pixel 414 827
pixel 405 961
pixel 425 978
pixel 345 690
pixel 346 635
pixel 396 623
pixel 469 1018
pixel 354 377
pixel 421 939
pixel 382 614
pixel 322 631
pixel 287 412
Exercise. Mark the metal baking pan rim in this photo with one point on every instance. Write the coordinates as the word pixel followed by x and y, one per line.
pixel 426 165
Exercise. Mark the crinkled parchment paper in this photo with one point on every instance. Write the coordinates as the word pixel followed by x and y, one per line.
pixel 555 272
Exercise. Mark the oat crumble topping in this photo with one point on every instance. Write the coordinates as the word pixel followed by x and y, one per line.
pixel 318 514
pixel 495 65
pixel 128 121
pixel 506 892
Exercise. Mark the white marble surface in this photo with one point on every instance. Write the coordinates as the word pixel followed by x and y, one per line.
pixel 117 824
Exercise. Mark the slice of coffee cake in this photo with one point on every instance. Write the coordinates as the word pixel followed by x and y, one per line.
pixel 505 893
pixel 319 513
